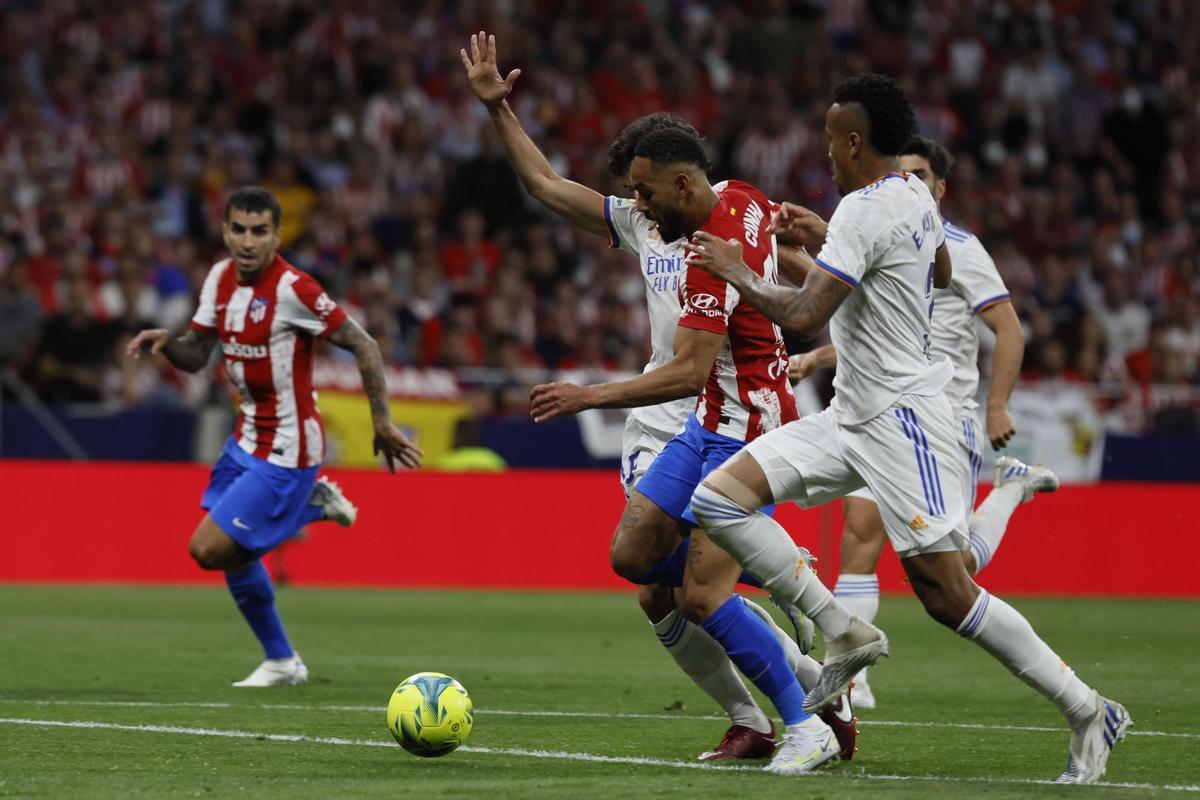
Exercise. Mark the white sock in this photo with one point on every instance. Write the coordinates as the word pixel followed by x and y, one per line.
pixel 807 668
pixel 763 548
pixel 703 659
pixel 990 520
pixel 859 594
pixel 1001 630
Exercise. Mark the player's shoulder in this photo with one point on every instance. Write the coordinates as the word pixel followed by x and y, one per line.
pixel 219 268
pixel 957 234
pixel 734 190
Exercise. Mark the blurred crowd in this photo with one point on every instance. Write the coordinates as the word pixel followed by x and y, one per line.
pixel 125 123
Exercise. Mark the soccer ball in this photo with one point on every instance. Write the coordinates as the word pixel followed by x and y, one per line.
pixel 430 714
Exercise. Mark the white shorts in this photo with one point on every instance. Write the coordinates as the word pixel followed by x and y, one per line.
pixel 970 445
pixel 639 447
pixel 908 457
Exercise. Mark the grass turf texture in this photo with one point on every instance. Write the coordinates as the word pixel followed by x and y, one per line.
pixel 165 656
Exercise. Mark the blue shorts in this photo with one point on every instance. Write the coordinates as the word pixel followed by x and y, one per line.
pixel 683 464
pixel 258 503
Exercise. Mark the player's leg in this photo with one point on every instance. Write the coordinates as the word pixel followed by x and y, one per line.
pixel 752 643
pixel 1014 483
pixel 941 581
pixel 648 546
pixel 801 461
pixel 857 588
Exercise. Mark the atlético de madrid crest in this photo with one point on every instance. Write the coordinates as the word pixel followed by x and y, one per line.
pixel 258 309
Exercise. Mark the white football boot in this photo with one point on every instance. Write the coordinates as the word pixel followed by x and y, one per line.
pixel 277 672
pixel 803 625
pixel 1031 479
pixel 859 647
pixel 805 749
pixel 1087 757
pixel 863 696
pixel 328 495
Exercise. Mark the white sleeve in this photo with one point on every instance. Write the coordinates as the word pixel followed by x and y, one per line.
pixel 627 227
pixel 849 241
pixel 205 318
pixel 976 278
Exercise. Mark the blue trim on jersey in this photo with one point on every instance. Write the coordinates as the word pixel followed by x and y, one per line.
pixel 873 186
pixel 991 301
pixel 837 273
pixel 612 230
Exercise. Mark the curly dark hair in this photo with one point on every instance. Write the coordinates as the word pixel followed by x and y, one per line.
pixel 673 146
pixel 620 152
pixel 937 155
pixel 890 118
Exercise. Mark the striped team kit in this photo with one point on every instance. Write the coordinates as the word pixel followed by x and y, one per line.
pixel 976 286
pixel 266 329
pixel 890 427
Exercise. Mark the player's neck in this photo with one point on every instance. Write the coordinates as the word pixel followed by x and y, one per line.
pixel 873 168
pixel 706 200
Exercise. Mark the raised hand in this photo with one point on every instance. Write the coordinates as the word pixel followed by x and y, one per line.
pixel 801 366
pixel 482 72
pixel 1000 427
pixel 395 446
pixel 796 225
pixel 719 258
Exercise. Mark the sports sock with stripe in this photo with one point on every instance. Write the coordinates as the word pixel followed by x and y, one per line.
pixel 990 521
pixel 705 662
pixel 1001 630
pixel 807 668
pixel 751 645
pixel 763 548
pixel 254 594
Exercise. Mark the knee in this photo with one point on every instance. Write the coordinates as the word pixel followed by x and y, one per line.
pixel 697 604
pixel 206 555
pixel 656 601
pixel 711 508
pixel 947 608
pixel 628 563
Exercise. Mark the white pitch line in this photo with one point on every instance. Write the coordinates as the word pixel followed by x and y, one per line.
pixel 562 755
pixel 892 723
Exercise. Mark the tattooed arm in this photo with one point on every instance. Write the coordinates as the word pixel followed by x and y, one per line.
pixel 804 311
pixel 388 439
pixel 189 351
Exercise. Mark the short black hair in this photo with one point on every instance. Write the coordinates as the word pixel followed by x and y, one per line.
pixel 620 152
pixel 939 158
pixel 891 121
pixel 673 146
pixel 254 199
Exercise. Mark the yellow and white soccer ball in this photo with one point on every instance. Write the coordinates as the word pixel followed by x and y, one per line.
pixel 430 714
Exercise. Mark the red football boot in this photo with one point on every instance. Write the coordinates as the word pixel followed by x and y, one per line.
pixel 742 742
pixel 840 717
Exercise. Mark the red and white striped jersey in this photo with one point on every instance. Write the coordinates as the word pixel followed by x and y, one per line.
pixel 266 330
pixel 747 392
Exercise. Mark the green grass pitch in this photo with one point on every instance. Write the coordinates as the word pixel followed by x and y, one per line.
pixel 574 697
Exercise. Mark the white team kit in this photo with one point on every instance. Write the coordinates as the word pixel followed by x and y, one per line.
pixel 649 428
pixel 976 285
pixel 890 426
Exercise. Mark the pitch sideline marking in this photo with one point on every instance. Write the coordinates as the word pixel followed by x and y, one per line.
pixel 892 723
pixel 555 754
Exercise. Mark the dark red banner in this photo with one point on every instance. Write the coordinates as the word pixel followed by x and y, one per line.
pixel 120 522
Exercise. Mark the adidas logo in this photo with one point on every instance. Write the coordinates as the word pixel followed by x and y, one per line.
pixel 918 524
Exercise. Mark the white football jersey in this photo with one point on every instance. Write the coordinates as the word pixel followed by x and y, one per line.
pixel 881 242
pixel 975 286
pixel 662 268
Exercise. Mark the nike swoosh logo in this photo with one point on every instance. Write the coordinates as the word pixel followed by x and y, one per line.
pixel 221 307
pixel 842 711
pixel 237 523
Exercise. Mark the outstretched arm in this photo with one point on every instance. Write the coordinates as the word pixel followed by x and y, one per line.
pixel 388 439
pixel 189 351
pixel 804 311
pixel 577 204
pixel 805 364
pixel 682 376
pixel 1006 366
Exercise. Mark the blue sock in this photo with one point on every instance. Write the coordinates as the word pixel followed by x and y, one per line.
pixel 749 580
pixel 254 594
pixel 751 645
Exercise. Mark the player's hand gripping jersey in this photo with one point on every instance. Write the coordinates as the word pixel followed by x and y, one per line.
pixel 266 330
pixel 747 392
